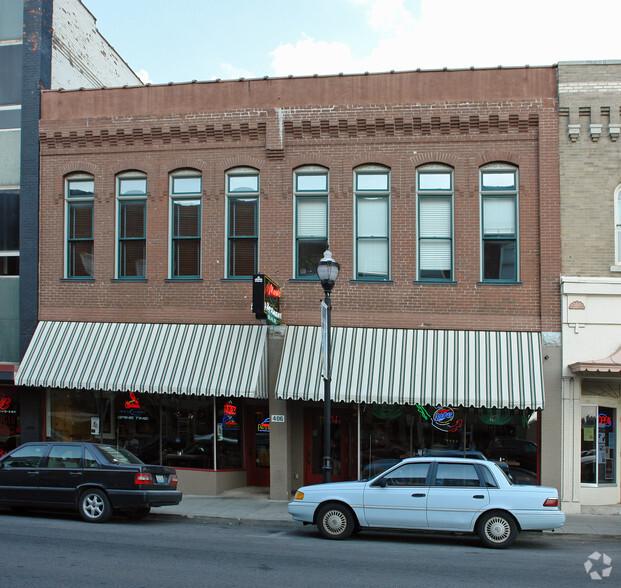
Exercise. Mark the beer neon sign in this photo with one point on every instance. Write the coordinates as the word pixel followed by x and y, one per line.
pixel 133 401
pixel 604 420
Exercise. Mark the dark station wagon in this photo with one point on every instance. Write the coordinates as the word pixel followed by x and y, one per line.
pixel 96 479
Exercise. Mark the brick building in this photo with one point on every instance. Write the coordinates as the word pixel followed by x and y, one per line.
pixel 43 44
pixel 436 191
pixel 590 157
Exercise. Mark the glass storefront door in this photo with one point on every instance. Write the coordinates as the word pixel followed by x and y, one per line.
pixel 258 445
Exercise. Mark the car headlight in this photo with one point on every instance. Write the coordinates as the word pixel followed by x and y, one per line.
pixel 299 495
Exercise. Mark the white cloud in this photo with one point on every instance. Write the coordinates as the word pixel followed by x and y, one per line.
pixel 230 72
pixel 143 74
pixel 460 33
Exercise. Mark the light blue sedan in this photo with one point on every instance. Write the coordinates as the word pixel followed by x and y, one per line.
pixel 434 494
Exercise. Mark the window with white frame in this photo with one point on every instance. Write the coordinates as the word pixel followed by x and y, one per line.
pixel 435 222
pixel 242 191
pixel 372 201
pixel 131 194
pixel 311 219
pixel 185 224
pixel 9 234
pixel 499 223
pixel 598 454
pixel 79 202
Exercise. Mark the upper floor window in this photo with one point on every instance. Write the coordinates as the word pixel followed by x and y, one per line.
pixel 499 222
pixel 618 226
pixel 9 234
pixel 185 231
pixel 79 199
pixel 311 219
pixel 242 191
pixel 131 190
pixel 372 192
pixel 435 222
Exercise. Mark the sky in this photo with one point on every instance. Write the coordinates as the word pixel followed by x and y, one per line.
pixel 182 40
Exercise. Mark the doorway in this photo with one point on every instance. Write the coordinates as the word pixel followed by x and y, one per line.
pixel 257 445
pixel 343 440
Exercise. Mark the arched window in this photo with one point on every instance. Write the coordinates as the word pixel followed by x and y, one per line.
pixel 79 202
pixel 242 195
pixel 310 186
pixel 131 196
pixel 434 188
pixel 372 202
pixel 185 188
pixel 499 222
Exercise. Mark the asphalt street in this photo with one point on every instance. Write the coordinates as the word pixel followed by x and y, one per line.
pixel 61 550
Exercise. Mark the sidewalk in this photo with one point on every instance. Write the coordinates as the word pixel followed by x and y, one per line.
pixel 253 506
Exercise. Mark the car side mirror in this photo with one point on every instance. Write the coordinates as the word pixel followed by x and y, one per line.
pixel 381 483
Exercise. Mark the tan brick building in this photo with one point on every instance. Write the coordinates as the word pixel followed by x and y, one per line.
pixel 590 156
pixel 437 192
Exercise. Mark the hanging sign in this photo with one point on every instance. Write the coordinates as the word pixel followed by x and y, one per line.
pixel 266 299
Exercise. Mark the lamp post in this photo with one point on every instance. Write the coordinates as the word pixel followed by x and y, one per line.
pixel 327 271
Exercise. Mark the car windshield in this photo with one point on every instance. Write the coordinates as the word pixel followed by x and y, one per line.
pixel 118 455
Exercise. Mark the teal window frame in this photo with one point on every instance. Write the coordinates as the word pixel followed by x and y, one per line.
pixel 435 193
pixel 79 197
pixel 240 243
pixel 380 193
pixel 131 192
pixel 498 243
pixel 313 244
pixel 181 197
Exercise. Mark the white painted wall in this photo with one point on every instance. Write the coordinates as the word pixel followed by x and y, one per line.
pixel 81 57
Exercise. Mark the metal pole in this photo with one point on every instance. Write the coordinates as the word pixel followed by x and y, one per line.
pixel 327 418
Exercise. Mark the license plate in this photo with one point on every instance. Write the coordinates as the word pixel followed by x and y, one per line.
pixel 160 479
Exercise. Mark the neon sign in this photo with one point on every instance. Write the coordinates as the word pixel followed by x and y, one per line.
pixel 5 403
pixel 133 401
pixel 266 299
pixel 604 420
pixel 230 409
pixel 442 418
pixel 229 423
pixel 265 425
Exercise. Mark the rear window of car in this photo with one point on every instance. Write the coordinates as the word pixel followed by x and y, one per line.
pixel 118 455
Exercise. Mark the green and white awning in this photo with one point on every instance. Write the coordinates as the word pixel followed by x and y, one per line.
pixel 427 367
pixel 220 360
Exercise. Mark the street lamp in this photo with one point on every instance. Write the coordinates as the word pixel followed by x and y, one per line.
pixel 327 271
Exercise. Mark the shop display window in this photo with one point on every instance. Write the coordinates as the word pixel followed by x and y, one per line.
pixel 389 433
pixel 176 430
pixel 9 420
pixel 597 455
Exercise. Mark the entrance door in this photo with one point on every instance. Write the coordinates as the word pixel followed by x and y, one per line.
pixel 257 445
pixel 342 435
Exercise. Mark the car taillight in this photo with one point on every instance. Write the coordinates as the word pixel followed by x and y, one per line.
pixel 551 502
pixel 142 479
pixel 173 480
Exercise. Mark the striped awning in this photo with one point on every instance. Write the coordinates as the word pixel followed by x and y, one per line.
pixel 220 360
pixel 448 368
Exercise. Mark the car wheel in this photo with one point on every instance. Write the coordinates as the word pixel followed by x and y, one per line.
pixel 335 521
pixel 137 514
pixel 497 529
pixel 94 506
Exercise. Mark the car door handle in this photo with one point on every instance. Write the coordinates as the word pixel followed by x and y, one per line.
pixel 75 474
pixel 478 496
pixel 33 473
pixel 419 495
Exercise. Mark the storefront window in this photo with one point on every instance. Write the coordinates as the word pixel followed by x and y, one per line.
pixel 390 433
pixel 9 420
pixel 597 457
pixel 175 430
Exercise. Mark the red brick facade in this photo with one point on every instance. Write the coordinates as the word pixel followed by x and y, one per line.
pixel 464 119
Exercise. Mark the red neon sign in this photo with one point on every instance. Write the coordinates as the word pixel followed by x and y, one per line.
pixel 5 403
pixel 230 409
pixel 133 402
pixel 604 420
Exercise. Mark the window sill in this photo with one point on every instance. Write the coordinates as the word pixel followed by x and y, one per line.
pixel 181 280
pixel 314 280
pixel 245 279
pixel 615 268
pixel 499 283
pixel 77 279
pixel 370 281
pixel 434 283
pixel 125 280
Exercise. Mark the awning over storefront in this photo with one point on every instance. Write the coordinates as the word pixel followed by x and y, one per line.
pixel 449 368
pixel 608 365
pixel 221 360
